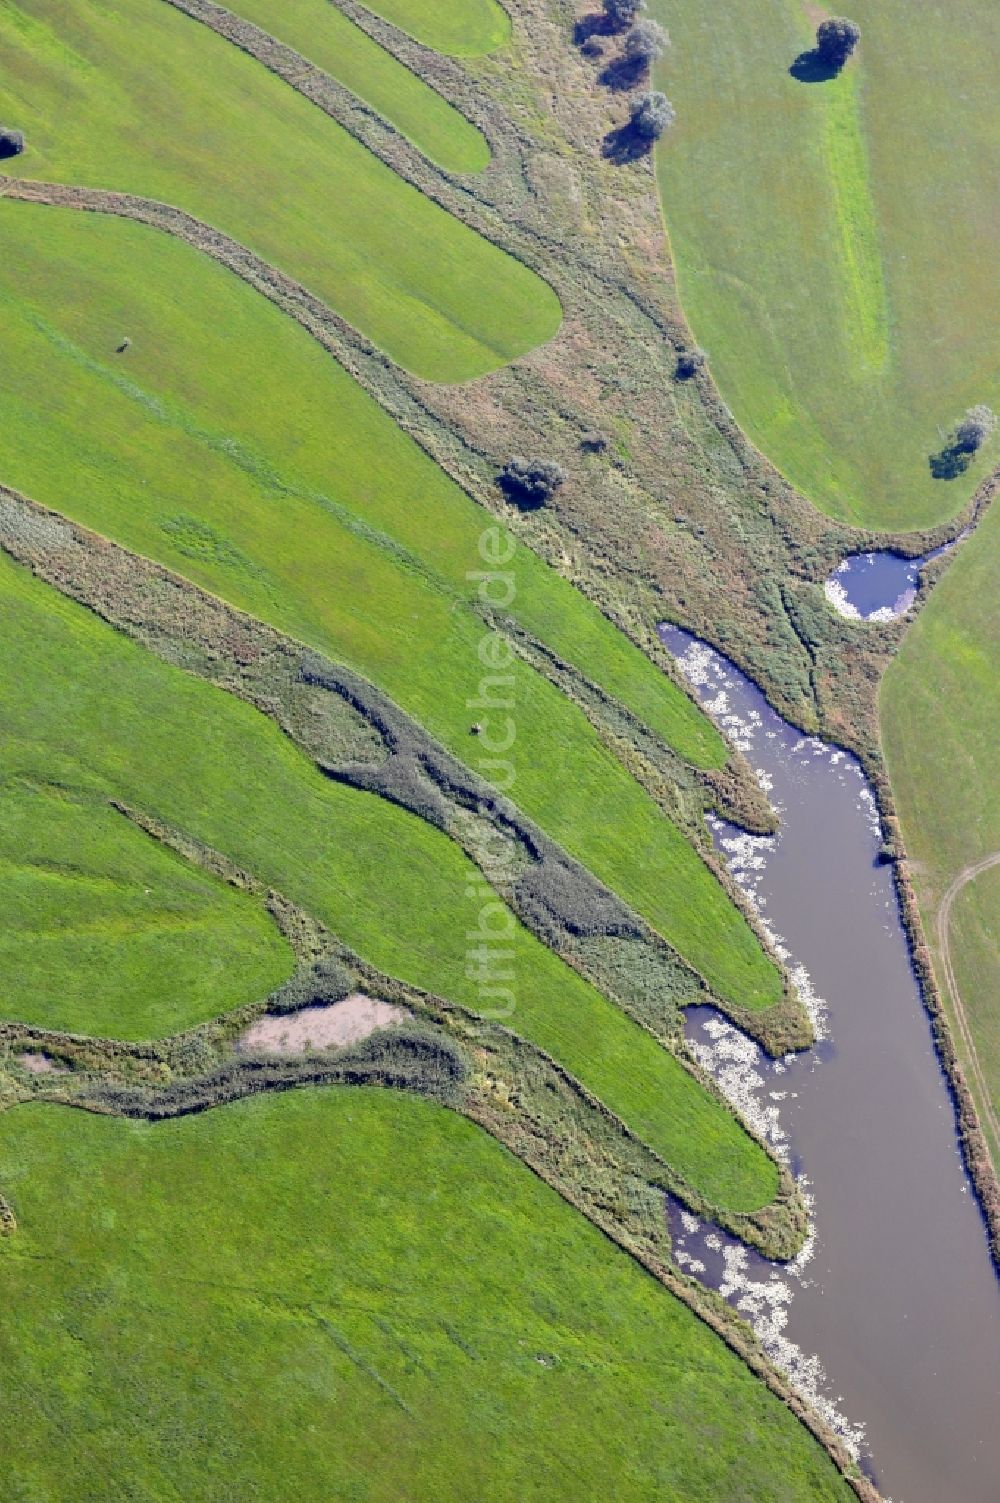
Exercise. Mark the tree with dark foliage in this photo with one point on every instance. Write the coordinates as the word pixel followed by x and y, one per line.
pixel 978 424
pixel 690 362
pixel 621 13
pixel 529 483
pixel 651 115
pixel 836 39
pixel 11 142
pixel 646 42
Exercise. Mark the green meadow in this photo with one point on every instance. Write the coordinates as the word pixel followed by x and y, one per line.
pixel 940 709
pixel 463 28
pixel 349 1294
pixel 101 923
pixel 210 130
pixel 87 710
pixel 835 241
pixel 229 445
pixel 324 35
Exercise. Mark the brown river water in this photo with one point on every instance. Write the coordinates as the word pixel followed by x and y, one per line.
pixel 891 1319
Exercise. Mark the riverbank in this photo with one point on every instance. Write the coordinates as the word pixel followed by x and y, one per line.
pixel 866 1122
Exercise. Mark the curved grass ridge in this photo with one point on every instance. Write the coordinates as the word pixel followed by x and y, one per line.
pixel 501 1080
pixel 546 604
pixel 939 714
pixel 324 34
pixel 436 296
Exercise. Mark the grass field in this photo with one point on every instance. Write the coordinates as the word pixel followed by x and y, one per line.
pixel 835 241
pixel 349 1295
pixel 940 726
pixel 101 922
pixel 209 129
pixel 91 711
pixel 463 28
pixel 229 445
pixel 324 35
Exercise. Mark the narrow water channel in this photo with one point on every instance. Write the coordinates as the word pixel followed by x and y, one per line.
pixel 893 1318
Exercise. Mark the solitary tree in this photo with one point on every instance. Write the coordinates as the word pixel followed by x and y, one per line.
pixel 11 142
pixel 651 114
pixel 622 13
pixel 690 362
pixel 529 483
pixel 836 39
pixel 978 424
pixel 645 43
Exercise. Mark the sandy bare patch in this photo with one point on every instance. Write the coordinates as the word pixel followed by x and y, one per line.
pixel 326 1027
pixel 37 1063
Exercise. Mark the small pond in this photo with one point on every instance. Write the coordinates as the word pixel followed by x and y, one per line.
pixel 877 586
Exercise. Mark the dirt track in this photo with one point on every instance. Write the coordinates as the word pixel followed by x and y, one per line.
pixel 967 875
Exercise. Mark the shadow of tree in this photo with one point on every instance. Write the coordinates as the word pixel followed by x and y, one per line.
pixel 813 67
pixel 623 73
pixel 594 25
pixel 11 144
pixel 950 462
pixel 519 495
pixel 626 144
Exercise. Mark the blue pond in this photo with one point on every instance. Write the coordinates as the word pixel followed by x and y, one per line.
pixel 876 586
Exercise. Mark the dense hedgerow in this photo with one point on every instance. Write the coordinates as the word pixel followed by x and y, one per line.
pixel 414 1059
pixel 318 985
pixel 556 889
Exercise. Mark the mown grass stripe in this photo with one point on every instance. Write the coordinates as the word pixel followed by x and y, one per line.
pixel 867 314
pixel 324 35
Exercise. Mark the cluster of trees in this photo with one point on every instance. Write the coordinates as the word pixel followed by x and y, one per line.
pixel 644 42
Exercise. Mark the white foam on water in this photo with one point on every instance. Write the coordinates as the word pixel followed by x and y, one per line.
pixel 745 1074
